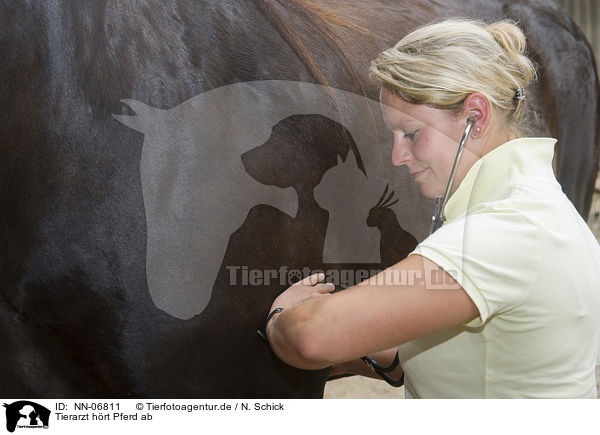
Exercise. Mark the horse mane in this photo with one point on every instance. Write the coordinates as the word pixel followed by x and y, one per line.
pixel 319 21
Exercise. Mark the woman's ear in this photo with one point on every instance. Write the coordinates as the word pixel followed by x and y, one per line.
pixel 478 107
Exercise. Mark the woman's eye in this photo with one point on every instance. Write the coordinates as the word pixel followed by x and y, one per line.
pixel 411 135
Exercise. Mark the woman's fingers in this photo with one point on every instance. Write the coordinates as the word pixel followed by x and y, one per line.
pixel 324 288
pixel 304 290
pixel 313 279
pixel 313 282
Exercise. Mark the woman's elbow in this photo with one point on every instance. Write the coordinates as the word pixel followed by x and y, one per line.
pixel 311 349
pixel 300 345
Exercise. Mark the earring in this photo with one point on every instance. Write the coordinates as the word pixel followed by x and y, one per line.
pixel 475 134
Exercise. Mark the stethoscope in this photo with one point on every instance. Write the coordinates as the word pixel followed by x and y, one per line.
pixel 437 220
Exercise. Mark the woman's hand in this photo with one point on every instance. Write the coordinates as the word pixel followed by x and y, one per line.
pixel 308 288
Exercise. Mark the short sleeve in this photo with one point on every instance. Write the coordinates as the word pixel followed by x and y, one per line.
pixel 495 257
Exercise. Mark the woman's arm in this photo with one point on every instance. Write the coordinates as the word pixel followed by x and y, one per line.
pixel 377 314
pixel 358 366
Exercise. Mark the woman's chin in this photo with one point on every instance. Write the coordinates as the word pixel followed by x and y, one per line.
pixel 429 192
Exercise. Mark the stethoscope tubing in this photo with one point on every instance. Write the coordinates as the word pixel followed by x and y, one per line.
pixel 437 220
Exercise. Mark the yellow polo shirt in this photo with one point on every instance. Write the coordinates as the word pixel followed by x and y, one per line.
pixel 520 250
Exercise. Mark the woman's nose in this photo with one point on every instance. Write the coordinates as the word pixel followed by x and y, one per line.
pixel 401 151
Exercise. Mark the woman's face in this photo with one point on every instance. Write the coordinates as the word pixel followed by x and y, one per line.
pixel 425 141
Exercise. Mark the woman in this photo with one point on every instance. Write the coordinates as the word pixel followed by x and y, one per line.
pixel 518 314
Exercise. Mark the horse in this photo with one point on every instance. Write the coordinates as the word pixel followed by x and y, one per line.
pixel 111 283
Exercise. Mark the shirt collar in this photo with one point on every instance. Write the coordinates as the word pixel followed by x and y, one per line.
pixel 490 177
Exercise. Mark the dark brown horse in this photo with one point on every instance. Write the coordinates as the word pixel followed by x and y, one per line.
pixel 85 225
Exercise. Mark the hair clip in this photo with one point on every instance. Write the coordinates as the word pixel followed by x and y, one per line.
pixel 520 94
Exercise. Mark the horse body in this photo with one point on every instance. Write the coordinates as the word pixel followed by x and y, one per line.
pixel 76 315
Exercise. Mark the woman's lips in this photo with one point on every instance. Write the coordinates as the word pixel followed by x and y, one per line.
pixel 417 174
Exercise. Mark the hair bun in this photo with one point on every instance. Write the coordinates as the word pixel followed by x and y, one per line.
pixel 509 36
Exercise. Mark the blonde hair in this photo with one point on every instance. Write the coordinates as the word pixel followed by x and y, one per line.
pixel 441 64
